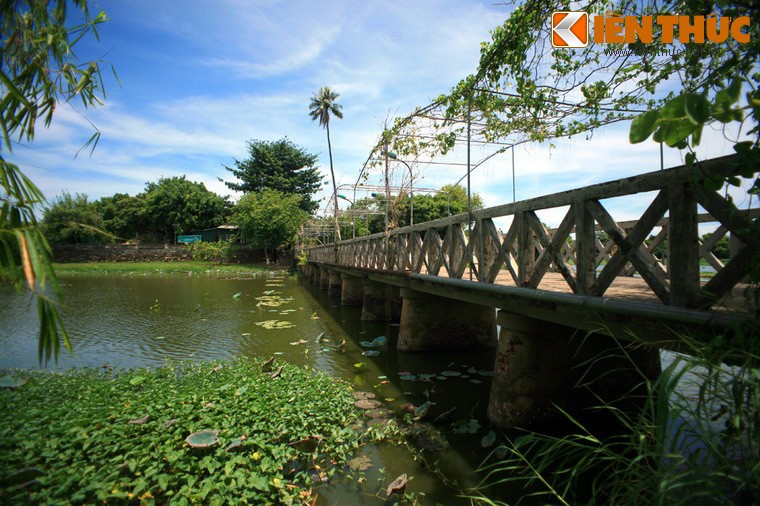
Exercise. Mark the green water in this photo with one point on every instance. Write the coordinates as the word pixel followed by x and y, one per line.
pixel 137 320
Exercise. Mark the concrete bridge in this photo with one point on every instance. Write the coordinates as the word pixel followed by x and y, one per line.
pixel 557 295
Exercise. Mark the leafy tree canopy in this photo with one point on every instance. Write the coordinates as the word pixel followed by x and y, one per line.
pixel 123 215
pixel 449 200
pixel 524 90
pixel 281 166
pixel 269 219
pixel 71 219
pixel 176 206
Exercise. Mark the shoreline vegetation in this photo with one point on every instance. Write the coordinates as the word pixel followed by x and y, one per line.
pixel 161 267
pixel 242 430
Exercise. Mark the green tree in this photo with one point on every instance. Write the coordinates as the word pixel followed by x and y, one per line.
pixel 281 166
pixel 323 105
pixel 269 219
pixel 39 69
pixel 176 206
pixel 71 219
pixel 124 216
pixel 447 201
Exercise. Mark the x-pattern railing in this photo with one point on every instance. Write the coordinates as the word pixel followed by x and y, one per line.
pixel 587 260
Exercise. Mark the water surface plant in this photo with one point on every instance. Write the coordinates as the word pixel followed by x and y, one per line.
pixel 144 436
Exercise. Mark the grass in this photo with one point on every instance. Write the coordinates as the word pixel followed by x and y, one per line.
pixel 696 441
pixel 96 436
pixel 154 267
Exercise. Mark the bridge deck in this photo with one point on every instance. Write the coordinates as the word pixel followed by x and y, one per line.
pixel 629 288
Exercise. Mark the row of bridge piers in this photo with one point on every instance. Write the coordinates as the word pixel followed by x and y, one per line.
pixel 538 365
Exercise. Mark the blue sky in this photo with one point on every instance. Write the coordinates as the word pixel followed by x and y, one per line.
pixel 199 79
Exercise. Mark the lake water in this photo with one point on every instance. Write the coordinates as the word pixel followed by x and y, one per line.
pixel 137 320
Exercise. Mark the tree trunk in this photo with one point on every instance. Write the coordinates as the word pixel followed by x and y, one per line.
pixel 335 188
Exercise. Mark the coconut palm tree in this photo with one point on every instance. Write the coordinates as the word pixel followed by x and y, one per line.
pixel 323 105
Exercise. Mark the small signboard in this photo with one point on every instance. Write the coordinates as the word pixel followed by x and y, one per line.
pixel 187 239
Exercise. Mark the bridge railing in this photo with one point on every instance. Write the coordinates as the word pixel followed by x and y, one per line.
pixel 587 259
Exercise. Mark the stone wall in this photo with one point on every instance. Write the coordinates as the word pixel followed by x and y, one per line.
pixel 139 253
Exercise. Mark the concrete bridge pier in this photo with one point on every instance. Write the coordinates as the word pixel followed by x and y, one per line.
pixel 324 278
pixel 429 322
pixel 540 365
pixel 308 272
pixel 334 283
pixel 380 302
pixel 351 291
pixel 314 274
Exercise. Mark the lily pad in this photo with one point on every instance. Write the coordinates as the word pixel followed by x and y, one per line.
pixel 139 421
pixel 408 377
pixel 465 426
pixel 203 439
pixel 359 365
pixel 422 411
pixel 451 373
pixel 358 395
pixel 8 382
pixel 475 382
pixel 397 486
pixel 237 295
pixel 367 404
pixel 275 324
pixel 371 353
pixel 361 463
pixel 378 413
pixel 488 440
pixel 235 443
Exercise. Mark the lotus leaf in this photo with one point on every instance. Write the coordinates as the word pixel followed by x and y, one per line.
pixel 367 404
pixel 203 439
pixel 9 382
pixel 275 324
pixel 465 426
pixel 397 486
pixel 235 443
pixel 139 421
pixel 361 463
pixel 378 413
pixel 422 411
pixel 488 440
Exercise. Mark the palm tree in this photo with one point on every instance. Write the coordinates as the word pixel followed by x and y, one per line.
pixel 323 104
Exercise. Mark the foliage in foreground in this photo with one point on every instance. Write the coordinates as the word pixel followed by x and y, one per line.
pixel 697 440
pixel 39 69
pixel 119 437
